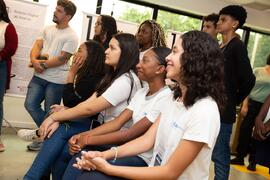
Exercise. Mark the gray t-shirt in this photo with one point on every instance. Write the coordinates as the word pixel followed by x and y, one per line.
pixel 54 41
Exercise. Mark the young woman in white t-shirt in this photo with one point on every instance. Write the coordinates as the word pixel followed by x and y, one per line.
pixel 111 97
pixel 141 113
pixel 184 135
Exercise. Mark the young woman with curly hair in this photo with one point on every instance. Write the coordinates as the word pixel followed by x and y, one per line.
pixel 150 34
pixel 184 135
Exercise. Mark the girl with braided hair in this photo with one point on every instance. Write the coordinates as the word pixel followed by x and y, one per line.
pixel 150 34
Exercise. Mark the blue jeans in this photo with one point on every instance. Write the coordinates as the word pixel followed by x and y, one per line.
pixel 69 171
pixel 41 90
pixel 53 146
pixel 3 80
pixel 221 152
pixel 66 160
pixel 135 161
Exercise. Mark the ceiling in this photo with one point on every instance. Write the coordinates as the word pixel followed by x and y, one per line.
pixel 262 5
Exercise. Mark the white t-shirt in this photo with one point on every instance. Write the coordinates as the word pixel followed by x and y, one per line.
pixel 117 95
pixel 54 41
pixel 149 107
pixel 199 123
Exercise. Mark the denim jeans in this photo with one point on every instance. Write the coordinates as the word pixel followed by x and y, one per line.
pixel 221 152
pixel 3 80
pixel 69 171
pixel 41 90
pixel 53 146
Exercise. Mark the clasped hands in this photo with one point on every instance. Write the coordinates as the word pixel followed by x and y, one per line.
pixel 92 160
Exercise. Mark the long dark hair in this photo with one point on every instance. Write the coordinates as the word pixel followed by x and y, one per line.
pixel 127 61
pixel 3 12
pixel 108 27
pixel 94 65
pixel 202 69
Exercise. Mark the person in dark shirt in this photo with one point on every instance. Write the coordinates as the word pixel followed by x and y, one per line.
pixel 105 27
pixel 83 77
pixel 239 80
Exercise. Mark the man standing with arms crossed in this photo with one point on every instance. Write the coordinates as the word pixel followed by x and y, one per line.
pixel 49 56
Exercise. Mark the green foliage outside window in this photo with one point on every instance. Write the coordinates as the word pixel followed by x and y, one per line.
pixel 169 21
pixel 258 48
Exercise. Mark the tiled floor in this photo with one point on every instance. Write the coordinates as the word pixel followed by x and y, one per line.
pixel 15 161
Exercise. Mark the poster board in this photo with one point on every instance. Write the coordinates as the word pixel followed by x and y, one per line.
pixel 28 19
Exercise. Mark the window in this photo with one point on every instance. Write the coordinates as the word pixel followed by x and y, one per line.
pixel 127 11
pixel 175 22
pixel 258 49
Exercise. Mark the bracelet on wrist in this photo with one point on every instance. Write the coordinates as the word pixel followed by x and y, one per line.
pixel 115 153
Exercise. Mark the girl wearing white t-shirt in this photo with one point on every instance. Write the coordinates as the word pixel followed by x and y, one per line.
pixel 184 135
pixel 111 97
pixel 141 113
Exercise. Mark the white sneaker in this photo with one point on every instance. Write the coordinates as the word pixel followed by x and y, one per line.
pixel 28 135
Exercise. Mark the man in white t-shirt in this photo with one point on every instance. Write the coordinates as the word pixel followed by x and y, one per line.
pixel 49 56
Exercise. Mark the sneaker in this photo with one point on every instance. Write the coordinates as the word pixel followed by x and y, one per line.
pixel 34 146
pixel 2 147
pixel 237 161
pixel 28 135
pixel 252 166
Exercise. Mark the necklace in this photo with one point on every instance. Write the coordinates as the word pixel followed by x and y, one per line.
pixel 222 45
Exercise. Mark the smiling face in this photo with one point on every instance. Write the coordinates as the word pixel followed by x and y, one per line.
pixel 113 53
pixel 149 67
pixel 173 61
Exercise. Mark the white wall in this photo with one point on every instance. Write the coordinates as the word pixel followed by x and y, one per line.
pixel 257 19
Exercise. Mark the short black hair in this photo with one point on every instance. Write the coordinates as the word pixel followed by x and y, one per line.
pixel 212 18
pixel 237 12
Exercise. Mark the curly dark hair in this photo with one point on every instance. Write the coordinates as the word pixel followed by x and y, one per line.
pixel 202 69
pixel 237 12
pixel 108 27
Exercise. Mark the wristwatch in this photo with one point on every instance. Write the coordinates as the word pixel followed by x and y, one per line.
pixel 43 65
